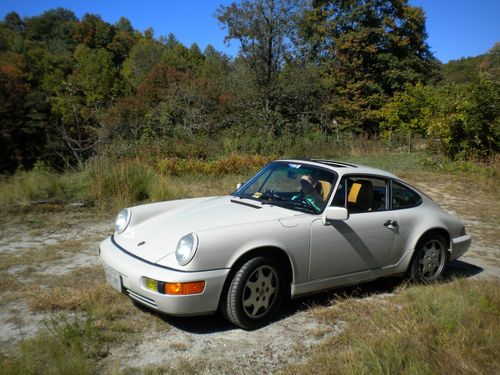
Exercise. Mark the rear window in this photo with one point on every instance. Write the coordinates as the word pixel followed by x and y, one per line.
pixel 404 197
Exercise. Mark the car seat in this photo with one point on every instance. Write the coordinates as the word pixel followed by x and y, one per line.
pixel 360 197
pixel 323 189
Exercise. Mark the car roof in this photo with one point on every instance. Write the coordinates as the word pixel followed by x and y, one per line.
pixel 341 167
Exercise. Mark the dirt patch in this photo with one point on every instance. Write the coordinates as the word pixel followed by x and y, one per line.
pixel 480 214
pixel 40 246
pixel 212 346
pixel 203 344
pixel 17 322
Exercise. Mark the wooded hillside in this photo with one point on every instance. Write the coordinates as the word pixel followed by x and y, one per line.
pixel 72 88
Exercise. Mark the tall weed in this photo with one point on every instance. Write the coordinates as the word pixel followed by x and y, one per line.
pixel 110 182
pixel 122 183
pixel 42 185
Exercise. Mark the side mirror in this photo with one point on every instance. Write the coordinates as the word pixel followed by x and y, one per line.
pixel 335 213
pixel 238 185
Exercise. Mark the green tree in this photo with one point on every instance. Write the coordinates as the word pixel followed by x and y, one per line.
pixel 464 70
pixel 81 100
pixel 143 56
pixel 11 33
pixel 182 58
pixel 124 24
pixel 55 28
pixel 368 50
pixel 15 137
pixel 95 74
pixel 215 64
pixel 93 32
pixel 14 22
pixel 264 30
pixel 410 112
pixel 123 40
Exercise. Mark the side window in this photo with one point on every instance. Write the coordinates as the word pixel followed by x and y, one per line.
pixel 403 197
pixel 361 194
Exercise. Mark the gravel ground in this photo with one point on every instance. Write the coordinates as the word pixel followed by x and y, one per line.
pixel 209 343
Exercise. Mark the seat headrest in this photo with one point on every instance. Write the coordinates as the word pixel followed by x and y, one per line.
pixel 361 194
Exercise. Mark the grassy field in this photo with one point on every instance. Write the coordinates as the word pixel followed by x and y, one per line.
pixel 451 327
pixel 439 329
pixel 105 184
pixel 448 328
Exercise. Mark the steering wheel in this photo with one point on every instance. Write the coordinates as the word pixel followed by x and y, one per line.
pixel 270 194
pixel 309 204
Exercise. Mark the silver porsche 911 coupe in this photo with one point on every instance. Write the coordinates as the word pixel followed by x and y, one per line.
pixel 296 227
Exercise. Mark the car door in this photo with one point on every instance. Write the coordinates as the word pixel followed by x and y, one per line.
pixel 363 241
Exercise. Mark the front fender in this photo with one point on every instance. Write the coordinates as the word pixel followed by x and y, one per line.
pixel 222 247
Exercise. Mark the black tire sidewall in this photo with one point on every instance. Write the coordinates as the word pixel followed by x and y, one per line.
pixel 234 310
pixel 415 274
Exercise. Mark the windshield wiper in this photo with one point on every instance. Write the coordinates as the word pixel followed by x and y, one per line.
pixel 245 203
pixel 286 203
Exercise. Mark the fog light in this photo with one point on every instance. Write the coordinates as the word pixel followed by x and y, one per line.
pixel 184 288
pixel 151 284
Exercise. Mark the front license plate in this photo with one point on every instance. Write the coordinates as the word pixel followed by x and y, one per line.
pixel 113 278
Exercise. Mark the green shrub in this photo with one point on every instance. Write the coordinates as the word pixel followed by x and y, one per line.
pixel 232 164
pixel 461 121
pixel 468 124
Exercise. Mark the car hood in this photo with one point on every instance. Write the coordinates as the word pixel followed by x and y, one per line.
pixel 161 225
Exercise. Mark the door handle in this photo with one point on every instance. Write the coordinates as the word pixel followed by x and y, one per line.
pixel 391 224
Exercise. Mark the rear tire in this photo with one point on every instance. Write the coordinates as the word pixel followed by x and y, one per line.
pixel 430 259
pixel 254 294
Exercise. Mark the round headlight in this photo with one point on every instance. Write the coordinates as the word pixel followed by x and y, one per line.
pixel 122 220
pixel 186 248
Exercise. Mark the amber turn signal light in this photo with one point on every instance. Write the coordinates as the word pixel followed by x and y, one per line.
pixel 184 288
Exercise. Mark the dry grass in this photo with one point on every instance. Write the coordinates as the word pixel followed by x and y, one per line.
pixel 438 329
pixel 39 255
pixel 85 290
pixel 186 367
pixel 86 318
pixel 468 198
pixel 76 290
pixel 447 328
pixel 123 183
pixel 106 183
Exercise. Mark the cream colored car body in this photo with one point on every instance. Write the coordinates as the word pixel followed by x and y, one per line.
pixel 316 253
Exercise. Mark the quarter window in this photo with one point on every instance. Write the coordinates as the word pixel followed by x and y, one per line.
pixel 403 197
pixel 361 194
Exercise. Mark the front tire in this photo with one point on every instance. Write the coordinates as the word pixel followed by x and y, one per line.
pixel 254 293
pixel 430 260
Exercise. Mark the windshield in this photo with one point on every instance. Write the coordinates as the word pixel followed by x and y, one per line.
pixel 295 186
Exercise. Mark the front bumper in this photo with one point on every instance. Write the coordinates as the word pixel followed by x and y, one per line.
pixel 459 246
pixel 131 272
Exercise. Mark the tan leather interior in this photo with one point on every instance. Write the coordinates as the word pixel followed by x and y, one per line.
pixel 361 195
pixel 326 188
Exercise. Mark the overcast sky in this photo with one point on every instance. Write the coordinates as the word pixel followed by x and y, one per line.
pixel 456 28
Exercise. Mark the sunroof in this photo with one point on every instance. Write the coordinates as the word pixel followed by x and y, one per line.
pixel 334 163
